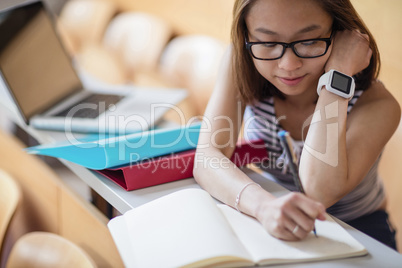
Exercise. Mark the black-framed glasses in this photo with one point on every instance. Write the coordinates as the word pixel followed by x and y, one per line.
pixel 309 48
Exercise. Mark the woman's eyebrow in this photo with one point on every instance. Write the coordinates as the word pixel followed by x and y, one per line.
pixel 304 30
pixel 310 28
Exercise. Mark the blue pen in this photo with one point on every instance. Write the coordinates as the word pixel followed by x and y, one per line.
pixel 286 142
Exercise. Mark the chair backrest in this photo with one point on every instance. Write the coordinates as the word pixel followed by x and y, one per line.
pixel 43 249
pixel 205 17
pixel 192 62
pixel 9 198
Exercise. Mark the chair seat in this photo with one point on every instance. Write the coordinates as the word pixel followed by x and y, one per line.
pixel 41 249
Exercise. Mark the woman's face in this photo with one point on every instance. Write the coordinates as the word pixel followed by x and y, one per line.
pixel 289 21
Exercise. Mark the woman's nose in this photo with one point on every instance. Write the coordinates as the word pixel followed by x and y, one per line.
pixel 289 61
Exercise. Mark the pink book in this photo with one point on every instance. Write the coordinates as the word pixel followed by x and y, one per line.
pixel 177 166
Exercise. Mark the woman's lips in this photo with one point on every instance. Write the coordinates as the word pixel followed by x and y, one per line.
pixel 291 81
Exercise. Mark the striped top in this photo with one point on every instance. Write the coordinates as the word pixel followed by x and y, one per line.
pixel 261 122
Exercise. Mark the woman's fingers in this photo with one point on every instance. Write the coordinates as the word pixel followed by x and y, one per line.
pixel 286 229
pixel 304 211
pixel 313 209
pixel 293 216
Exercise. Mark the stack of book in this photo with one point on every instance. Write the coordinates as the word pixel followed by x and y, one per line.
pixel 147 158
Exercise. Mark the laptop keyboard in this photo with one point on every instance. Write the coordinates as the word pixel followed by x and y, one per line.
pixel 102 102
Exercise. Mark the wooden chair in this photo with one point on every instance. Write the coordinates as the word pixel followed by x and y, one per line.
pixel 9 198
pixel 49 205
pixel 43 249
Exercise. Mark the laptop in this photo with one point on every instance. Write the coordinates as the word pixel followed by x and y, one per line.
pixel 49 94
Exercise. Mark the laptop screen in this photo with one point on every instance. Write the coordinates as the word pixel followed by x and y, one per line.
pixel 33 62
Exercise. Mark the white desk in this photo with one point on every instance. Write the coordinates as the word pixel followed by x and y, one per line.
pixel 379 255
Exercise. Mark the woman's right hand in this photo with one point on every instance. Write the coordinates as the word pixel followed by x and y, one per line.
pixel 290 217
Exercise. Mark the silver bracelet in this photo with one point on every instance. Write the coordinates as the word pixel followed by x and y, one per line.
pixel 241 191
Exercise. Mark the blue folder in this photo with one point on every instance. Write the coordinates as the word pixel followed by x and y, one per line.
pixel 121 150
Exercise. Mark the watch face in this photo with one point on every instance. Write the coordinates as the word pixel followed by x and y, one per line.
pixel 341 82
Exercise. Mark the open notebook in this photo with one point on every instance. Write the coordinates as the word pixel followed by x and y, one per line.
pixel 188 229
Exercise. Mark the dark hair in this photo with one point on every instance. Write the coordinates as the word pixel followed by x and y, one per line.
pixel 251 85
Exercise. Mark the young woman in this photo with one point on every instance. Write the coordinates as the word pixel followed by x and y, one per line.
pixel 269 82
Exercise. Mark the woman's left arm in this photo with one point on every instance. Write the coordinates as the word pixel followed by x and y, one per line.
pixel 339 148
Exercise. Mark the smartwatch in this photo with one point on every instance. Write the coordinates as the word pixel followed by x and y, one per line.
pixel 338 83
